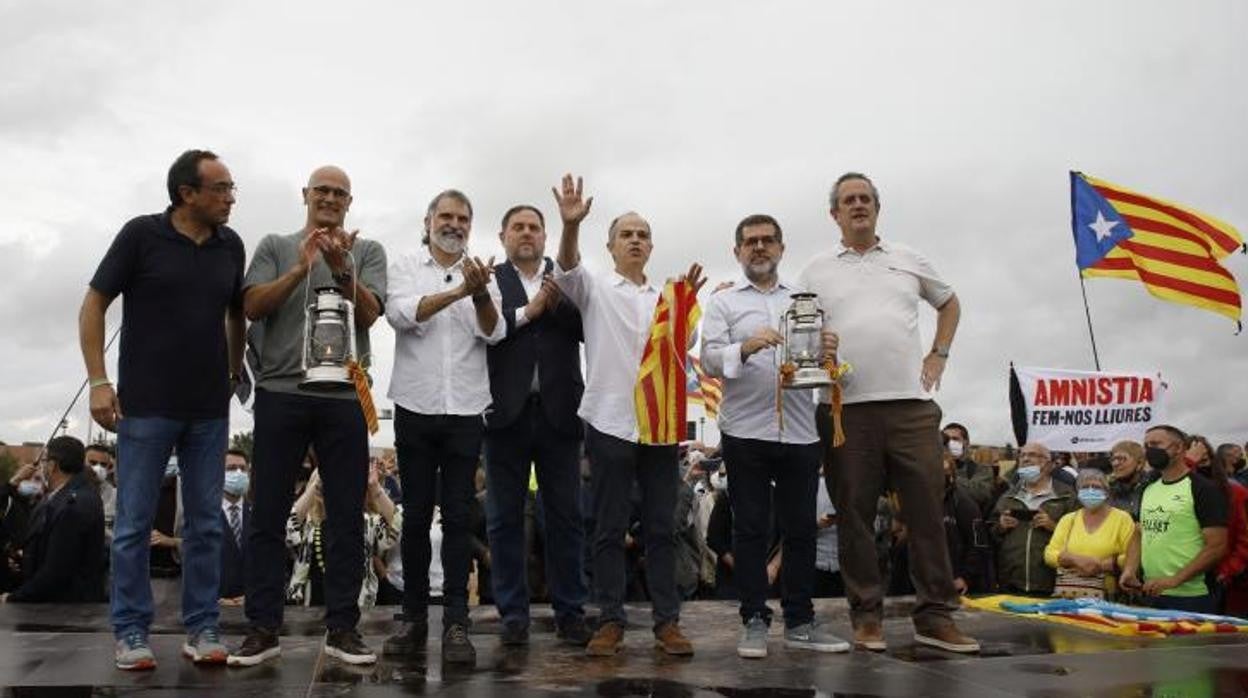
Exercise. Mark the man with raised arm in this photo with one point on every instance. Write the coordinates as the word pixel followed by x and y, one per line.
pixel 617 309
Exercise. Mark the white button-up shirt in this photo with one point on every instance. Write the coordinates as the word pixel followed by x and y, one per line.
pixel 439 364
pixel 871 300
pixel 748 410
pixel 616 315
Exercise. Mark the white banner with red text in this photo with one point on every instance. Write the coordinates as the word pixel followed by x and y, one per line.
pixel 1088 410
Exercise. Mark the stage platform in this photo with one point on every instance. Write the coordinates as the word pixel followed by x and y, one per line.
pixel 67 651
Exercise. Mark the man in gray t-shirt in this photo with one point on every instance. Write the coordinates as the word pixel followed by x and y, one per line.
pixel 282 279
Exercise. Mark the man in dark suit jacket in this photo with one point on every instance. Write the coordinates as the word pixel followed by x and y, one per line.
pixel 63 556
pixel 235 512
pixel 536 386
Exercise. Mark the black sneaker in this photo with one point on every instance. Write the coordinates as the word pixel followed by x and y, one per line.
pixel 456 647
pixel 259 645
pixel 573 631
pixel 348 646
pixel 409 640
pixel 515 635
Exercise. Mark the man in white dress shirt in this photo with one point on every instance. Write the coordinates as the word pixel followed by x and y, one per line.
pixel 740 341
pixel 443 315
pixel 617 309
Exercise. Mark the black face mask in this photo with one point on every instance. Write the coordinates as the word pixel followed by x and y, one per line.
pixel 1239 464
pixel 1158 458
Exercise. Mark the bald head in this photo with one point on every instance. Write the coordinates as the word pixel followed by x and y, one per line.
pixel 628 241
pixel 328 197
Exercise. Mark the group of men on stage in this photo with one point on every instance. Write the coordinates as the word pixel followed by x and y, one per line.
pixel 488 356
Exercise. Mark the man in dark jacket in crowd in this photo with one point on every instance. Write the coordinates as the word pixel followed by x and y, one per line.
pixel 63 557
pixel 977 480
pixel 1023 523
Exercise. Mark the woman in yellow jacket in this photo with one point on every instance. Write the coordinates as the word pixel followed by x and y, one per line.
pixel 1089 546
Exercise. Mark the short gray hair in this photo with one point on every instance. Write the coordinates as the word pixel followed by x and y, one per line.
pixel 836 188
pixel 1092 476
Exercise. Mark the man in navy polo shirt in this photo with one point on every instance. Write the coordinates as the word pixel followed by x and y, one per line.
pixel 180 274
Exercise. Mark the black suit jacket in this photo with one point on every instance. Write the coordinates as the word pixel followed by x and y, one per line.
pixel 552 343
pixel 233 571
pixel 63 556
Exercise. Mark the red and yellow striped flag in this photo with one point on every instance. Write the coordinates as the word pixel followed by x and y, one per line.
pixel 660 392
pixel 1173 250
pixel 707 391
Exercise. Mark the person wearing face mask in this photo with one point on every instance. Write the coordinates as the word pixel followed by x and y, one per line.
pixel 1182 532
pixel 18 496
pixel 444 316
pixel 235 523
pixel 1228 581
pixel 1231 458
pixel 1024 520
pixel 1089 545
pixel 719 536
pixel 1129 477
pixel 965 533
pixel 977 480
pixel 63 554
pixel 100 461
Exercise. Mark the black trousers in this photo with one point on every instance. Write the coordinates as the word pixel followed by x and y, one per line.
pixel 615 464
pixel 285 425
pixel 437 454
pixel 753 465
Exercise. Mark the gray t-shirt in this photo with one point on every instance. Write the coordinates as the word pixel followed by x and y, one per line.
pixel 277 340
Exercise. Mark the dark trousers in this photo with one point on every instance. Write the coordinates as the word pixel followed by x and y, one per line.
pixel 828 584
pixel 752 466
pixel 615 464
pixel 429 446
pixel 508 453
pixel 1189 604
pixel 285 425
pixel 893 443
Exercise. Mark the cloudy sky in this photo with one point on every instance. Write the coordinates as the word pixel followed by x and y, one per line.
pixel 968 115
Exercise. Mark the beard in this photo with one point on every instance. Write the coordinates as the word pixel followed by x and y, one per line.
pixel 448 242
pixel 761 271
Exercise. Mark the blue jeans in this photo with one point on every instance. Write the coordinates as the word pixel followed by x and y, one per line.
pixel 508 453
pixel 144 445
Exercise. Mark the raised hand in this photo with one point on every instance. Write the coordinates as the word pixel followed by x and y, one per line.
pixel 310 248
pixel 694 277
pixel 572 207
pixel 334 245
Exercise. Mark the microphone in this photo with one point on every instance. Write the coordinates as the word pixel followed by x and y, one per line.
pixel 448 278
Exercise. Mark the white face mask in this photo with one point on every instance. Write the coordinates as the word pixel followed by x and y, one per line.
pixel 100 472
pixel 955 448
pixel 720 482
pixel 29 488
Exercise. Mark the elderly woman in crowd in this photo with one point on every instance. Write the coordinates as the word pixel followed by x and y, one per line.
pixel 1089 545
pixel 1129 477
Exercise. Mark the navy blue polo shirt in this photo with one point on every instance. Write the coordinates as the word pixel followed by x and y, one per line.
pixel 174 361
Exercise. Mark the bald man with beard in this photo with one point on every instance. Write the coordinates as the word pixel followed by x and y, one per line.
pixel 285 271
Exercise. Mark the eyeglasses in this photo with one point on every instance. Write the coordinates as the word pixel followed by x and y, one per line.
pixel 324 190
pixel 220 188
pixel 762 241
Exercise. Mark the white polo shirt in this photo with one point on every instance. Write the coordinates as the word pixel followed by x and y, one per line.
pixel 748 410
pixel 871 300
pixel 616 315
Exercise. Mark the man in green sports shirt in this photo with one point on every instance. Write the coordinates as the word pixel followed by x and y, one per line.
pixel 1182 530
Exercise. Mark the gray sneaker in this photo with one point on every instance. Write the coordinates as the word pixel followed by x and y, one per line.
pixel 813 636
pixel 753 642
pixel 204 647
pixel 133 654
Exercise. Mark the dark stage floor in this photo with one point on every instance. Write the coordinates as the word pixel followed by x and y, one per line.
pixel 67 650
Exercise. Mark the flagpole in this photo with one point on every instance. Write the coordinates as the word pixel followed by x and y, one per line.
pixel 1096 359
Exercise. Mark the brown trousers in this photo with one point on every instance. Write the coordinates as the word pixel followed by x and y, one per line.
pixel 890 445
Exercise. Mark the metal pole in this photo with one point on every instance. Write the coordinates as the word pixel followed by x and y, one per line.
pixel 1096 359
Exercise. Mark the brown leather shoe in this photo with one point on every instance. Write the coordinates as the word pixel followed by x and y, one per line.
pixel 947 637
pixel 606 641
pixel 870 636
pixel 669 638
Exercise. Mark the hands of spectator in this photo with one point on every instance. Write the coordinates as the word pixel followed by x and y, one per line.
pixel 959 585
pixel 1007 522
pixel 1042 520
pixel 1154 587
pixel 1085 565
pixel 1129 580
pixel 826 521
pixel 232 601
pixel 23 473
pixel 160 540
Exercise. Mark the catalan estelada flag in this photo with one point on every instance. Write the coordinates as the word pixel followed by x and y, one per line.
pixel 660 392
pixel 703 389
pixel 1171 249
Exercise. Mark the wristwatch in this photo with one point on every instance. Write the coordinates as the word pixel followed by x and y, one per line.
pixel 941 350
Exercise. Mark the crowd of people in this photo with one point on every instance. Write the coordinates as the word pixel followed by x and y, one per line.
pixel 514 465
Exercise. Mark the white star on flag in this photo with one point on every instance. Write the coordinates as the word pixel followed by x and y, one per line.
pixel 1102 227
